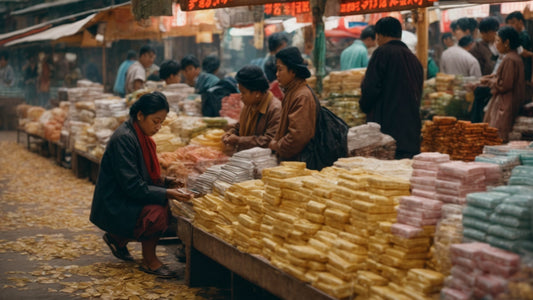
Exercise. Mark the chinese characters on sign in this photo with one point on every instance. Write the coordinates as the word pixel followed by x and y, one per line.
pixel 351 7
pixel 287 9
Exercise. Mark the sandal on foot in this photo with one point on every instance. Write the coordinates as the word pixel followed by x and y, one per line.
pixel 162 272
pixel 118 252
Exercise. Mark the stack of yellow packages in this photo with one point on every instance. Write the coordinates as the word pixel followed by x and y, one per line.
pixel 210 138
pixel 246 231
pixel 208 212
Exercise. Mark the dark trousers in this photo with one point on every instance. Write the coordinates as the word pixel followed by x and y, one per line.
pixel 482 97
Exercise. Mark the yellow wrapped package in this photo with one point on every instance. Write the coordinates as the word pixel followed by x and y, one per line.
pixel 326 237
pixel 372 217
pixel 307 252
pixel 353 238
pixel 295 183
pixel 357 228
pixel 212 202
pixel 391 193
pixel 347 246
pixel 272 190
pixel 271 199
pixel 368 279
pixel 323 192
pixel 411 243
pixel 274 182
pixel 329 278
pixel 246 221
pixel 380 200
pixel 338 206
pixel 229 216
pixel 405 255
pixel 385 227
pixel 298 262
pixel 315 218
pixel 351 184
pixel 372 208
pixel 306 226
pixel 388 183
pixel 425 276
pixel 348 277
pixel 315 207
pixel 233 208
pixel 341 264
pixel 375 248
pixel 319 245
pixel 316 266
pixel 334 223
pixel 339 216
pixel 293 196
pixel 421 249
pixel 233 198
pixel 388 293
pixel 358 256
pixel 311 276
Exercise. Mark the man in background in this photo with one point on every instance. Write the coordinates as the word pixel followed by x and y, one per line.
pixel 457 60
pixel 190 68
pixel 136 75
pixel 391 91
pixel 170 72
pixel 207 77
pixel 7 75
pixel 484 50
pixel 516 20
pixel 356 55
pixel 447 40
pixel 120 81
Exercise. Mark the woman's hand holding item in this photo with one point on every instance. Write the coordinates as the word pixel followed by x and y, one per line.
pixel 173 182
pixel 180 194
pixel 230 139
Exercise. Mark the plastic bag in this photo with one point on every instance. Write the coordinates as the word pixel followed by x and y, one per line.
pixel 477 212
pixel 509 233
pixel 486 199
pixel 510 221
pixel 514 210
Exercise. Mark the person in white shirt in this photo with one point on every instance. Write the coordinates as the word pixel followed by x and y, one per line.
pixel 136 75
pixel 457 60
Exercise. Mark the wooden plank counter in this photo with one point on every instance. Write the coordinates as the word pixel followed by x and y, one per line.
pixel 85 165
pixel 252 268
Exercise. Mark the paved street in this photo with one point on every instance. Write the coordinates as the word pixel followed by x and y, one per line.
pixel 50 250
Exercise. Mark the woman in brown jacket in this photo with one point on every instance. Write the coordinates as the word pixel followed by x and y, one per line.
pixel 507 85
pixel 298 112
pixel 259 118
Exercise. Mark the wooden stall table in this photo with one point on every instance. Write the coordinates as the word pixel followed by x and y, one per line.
pixel 212 262
pixel 85 165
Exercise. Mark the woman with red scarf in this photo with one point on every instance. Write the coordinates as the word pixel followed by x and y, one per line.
pixel 130 198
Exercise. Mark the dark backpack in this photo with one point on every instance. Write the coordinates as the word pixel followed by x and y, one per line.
pixel 212 98
pixel 330 141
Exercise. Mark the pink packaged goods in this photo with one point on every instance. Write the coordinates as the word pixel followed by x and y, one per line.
pixel 425 165
pixel 424 194
pixel 415 221
pixel 435 157
pixel 451 199
pixel 461 170
pixel 419 212
pixel 405 231
pixel 428 188
pixel 452 294
pixel 501 257
pixel 462 191
pixel 423 181
pixel 463 262
pixel 466 275
pixel 458 284
pixel 468 250
pixel 491 284
pixel 419 202
pixel 496 269
pixel 424 173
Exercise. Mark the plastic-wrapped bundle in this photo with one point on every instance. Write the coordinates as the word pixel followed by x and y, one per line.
pixel 522 175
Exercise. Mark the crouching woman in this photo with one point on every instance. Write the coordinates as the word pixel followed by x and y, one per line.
pixel 130 201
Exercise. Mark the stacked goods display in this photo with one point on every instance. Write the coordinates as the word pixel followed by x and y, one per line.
pixel 31 121
pixel 479 271
pixel 507 156
pixel 242 166
pixel 189 160
pixel 461 139
pixel 447 95
pixel 502 217
pixel 165 139
pixel 522 129
pixel 176 94
pixel 52 122
pixel 368 141
pixel 342 90
pixel 210 138
pixel 401 169
pixel 231 106
pixel 321 227
pixel 520 285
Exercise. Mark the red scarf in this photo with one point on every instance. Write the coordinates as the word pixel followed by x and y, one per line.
pixel 148 148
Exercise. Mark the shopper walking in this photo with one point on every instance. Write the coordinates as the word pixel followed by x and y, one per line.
pixel 507 85
pixel 30 73
pixel 7 76
pixel 130 198
pixel 392 89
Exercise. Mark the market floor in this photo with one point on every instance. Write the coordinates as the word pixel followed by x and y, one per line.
pixel 50 250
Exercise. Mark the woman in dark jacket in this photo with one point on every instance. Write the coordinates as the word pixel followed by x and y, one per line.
pixel 130 200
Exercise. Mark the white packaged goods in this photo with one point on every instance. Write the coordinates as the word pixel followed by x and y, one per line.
pixel 368 141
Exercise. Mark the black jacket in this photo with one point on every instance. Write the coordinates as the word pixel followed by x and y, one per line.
pixel 391 94
pixel 124 186
pixel 212 98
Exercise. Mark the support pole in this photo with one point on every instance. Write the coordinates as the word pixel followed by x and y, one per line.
pixel 422 26
pixel 104 67
pixel 319 50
